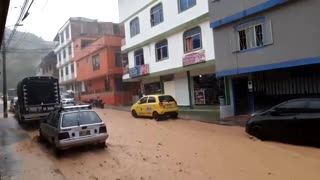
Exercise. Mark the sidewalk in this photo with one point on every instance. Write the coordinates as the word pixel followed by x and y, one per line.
pixel 203 115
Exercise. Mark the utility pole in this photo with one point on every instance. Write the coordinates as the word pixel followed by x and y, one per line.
pixel 4 81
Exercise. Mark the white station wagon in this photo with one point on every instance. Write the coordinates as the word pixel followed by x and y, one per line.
pixel 73 126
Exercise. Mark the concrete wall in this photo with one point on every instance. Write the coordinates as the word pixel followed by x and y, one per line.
pixel 176 51
pixel 172 19
pixel 129 7
pixel 295 30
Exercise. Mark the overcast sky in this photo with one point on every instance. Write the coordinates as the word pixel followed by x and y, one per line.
pixel 47 16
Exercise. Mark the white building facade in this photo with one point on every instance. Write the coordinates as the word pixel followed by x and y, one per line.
pixel 170 49
pixel 65 58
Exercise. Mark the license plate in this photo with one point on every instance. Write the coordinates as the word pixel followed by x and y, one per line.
pixel 169 106
pixel 85 133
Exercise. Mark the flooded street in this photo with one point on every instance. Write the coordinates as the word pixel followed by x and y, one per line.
pixel 145 149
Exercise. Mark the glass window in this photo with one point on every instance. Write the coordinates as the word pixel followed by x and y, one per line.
pixel 152 100
pixel 64 53
pixel 166 99
pixel 118 59
pixel 72 68
pixel 156 15
pixel 186 4
pixel 70 50
pixel 138 57
pixel 192 39
pixel 293 105
pixel 206 89
pixel 314 104
pixel 251 37
pixel 116 29
pixel 62 37
pixel 67 70
pixel 143 100
pixel 67 33
pixel 134 27
pixel 162 50
pixel 96 62
pixel 89 117
pixel 70 119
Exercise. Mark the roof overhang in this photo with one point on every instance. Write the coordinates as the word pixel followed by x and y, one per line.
pixel 4 6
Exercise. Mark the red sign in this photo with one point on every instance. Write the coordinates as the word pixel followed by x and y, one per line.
pixel 194 58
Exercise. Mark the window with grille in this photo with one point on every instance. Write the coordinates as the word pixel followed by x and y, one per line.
pixel 134 27
pixel 162 50
pixel 192 39
pixel 251 37
pixel 138 57
pixel 96 62
pixel 156 15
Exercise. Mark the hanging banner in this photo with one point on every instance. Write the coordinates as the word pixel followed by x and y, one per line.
pixel 139 70
pixel 194 58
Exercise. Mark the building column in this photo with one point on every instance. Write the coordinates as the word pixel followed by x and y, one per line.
pixel 189 90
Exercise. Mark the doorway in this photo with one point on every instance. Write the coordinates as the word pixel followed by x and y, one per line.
pixel 241 96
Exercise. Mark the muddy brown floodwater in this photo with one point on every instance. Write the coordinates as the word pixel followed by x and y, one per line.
pixel 142 149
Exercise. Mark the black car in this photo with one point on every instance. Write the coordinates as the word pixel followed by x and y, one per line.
pixel 297 120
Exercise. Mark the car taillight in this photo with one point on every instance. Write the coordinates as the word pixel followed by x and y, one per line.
pixel 64 135
pixel 103 129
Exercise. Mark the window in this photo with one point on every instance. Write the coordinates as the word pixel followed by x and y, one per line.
pixel 67 33
pixel 58 58
pixel 72 68
pixel 116 29
pixel 62 37
pixel 138 57
pixel 134 27
pixel 70 50
pixel 70 119
pixel 64 54
pixel 89 117
pixel 186 4
pixel 152 100
pixel 107 85
pixel 162 50
pixel 61 70
pixel 251 37
pixel 292 105
pixel 67 70
pixel 166 99
pixel 192 39
pixel 96 62
pixel 118 59
pixel 143 100
pixel 156 15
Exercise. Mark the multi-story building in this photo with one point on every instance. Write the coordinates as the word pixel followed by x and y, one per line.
pixel 170 49
pixel 74 28
pixel 99 70
pixel 267 50
pixel 48 66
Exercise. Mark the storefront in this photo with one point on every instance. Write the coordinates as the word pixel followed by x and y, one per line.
pixel 206 89
pixel 152 88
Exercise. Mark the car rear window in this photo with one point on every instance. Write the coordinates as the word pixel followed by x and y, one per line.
pixel 70 119
pixel 80 118
pixel 166 99
pixel 89 117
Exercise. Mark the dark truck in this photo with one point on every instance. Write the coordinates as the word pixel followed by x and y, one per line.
pixel 37 97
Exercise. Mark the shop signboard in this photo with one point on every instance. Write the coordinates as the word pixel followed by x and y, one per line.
pixel 194 58
pixel 139 70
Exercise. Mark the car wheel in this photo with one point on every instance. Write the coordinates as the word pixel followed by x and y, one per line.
pixel 134 114
pixel 257 131
pixel 175 116
pixel 41 138
pixel 156 116
pixel 102 145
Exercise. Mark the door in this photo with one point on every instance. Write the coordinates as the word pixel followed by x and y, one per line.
pixel 52 127
pixel 310 122
pixel 141 108
pixel 288 119
pixel 241 96
pixel 150 107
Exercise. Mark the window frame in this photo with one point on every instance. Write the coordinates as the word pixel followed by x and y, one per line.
pixel 135 60
pixel 67 70
pixel 189 7
pixel 155 99
pixel 252 38
pixel 72 68
pixel 161 47
pixel 146 97
pixel 186 37
pixel 137 28
pixel 96 64
pixel 70 50
pixel 153 12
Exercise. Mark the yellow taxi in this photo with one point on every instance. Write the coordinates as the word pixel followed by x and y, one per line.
pixel 155 106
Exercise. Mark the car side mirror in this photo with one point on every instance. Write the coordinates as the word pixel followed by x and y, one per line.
pixel 274 112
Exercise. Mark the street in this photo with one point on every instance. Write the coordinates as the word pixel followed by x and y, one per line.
pixel 145 149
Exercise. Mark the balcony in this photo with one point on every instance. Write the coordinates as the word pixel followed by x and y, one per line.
pixel 139 71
